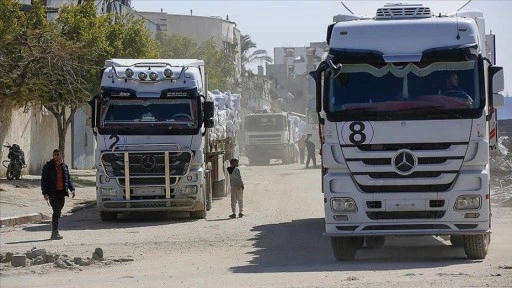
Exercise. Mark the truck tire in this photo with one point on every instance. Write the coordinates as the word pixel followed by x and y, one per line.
pixel 374 242
pixel 219 188
pixel 457 240
pixel 108 216
pixel 286 157
pixel 359 242
pixel 344 248
pixel 200 214
pixel 476 246
pixel 209 199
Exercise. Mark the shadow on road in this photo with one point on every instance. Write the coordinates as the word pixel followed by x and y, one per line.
pixel 89 219
pixel 299 246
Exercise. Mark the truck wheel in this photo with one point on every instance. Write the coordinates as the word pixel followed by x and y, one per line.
pixel 219 188
pixel 457 240
pixel 209 200
pixel 286 157
pixel 374 242
pixel 359 242
pixel 344 248
pixel 476 246
pixel 108 216
pixel 201 214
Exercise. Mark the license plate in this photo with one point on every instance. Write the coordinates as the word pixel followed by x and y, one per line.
pixel 405 205
pixel 150 191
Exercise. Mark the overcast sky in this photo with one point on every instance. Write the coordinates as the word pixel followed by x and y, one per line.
pixel 278 23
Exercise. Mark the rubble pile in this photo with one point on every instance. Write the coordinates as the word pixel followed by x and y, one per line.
pixel 35 257
pixel 501 172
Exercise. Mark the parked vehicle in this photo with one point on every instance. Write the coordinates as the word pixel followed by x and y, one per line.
pixel 273 136
pixel 16 162
pixel 156 150
pixel 399 155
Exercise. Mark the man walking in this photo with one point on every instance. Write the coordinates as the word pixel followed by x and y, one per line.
pixel 310 146
pixel 302 148
pixel 55 183
pixel 237 189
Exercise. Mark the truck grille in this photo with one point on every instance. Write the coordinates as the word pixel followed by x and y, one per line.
pixel 153 181
pixel 150 204
pixel 405 167
pixel 264 139
pixel 145 164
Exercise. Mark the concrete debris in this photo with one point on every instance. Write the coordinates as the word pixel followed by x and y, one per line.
pixel 60 264
pixel 505 266
pixel 39 260
pixel 81 262
pixel 41 257
pixel 19 261
pixel 7 258
pixel 98 254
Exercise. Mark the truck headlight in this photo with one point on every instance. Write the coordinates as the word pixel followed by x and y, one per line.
pixel 188 190
pixel 468 202
pixel 343 205
pixel 108 191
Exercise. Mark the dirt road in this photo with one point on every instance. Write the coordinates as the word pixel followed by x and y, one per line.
pixel 278 243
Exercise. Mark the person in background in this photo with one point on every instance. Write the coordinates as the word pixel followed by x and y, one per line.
pixel 302 148
pixel 55 184
pixel 237 189
pixel 310 146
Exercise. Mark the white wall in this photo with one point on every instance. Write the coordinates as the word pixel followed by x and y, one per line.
pixel 35 133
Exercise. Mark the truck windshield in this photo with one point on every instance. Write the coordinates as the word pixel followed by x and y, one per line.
pixel 137 113
pixel 446 89
pixel 265 123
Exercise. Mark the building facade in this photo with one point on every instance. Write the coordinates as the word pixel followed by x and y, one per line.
pixel 201 29
pixel 290 74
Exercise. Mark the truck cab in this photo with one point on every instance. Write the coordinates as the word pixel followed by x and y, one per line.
pixel 150 120
pixel 405 103
pixel 272 136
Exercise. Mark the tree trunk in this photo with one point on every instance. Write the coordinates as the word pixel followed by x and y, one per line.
pixel 63 122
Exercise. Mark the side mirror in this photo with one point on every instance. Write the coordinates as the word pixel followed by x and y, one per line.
pixel 208 114
pixel 498 100
pixel 498 79
pixel 312 117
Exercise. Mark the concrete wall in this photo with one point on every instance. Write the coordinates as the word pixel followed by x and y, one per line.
pixel 35 132
pixel 84 142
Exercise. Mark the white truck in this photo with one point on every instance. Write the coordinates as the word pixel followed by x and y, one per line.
pixel 404 151
pixel 272 136
pixel 151 120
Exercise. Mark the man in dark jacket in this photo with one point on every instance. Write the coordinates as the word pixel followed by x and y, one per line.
pixel 310 146
pixel 55 183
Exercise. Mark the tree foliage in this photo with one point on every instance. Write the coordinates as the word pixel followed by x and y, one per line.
pixel 246 44
pixel 56 64
pixel 220 66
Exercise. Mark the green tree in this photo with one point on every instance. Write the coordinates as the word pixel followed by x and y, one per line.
pixel 220 67
pixel 247 57
pixel 57 64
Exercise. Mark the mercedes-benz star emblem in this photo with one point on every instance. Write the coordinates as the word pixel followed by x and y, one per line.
pixel 148 162
pixel 404 162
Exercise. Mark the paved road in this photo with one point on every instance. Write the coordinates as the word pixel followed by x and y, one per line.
pixel 277 244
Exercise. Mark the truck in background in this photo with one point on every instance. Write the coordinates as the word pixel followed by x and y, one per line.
pixel 152 124
pixel 401 153
pixel 272 136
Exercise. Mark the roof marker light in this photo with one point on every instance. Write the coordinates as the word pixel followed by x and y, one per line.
pixel 143 75
pixel 153 76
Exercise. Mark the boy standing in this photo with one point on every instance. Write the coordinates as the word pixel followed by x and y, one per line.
pixel 237 188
